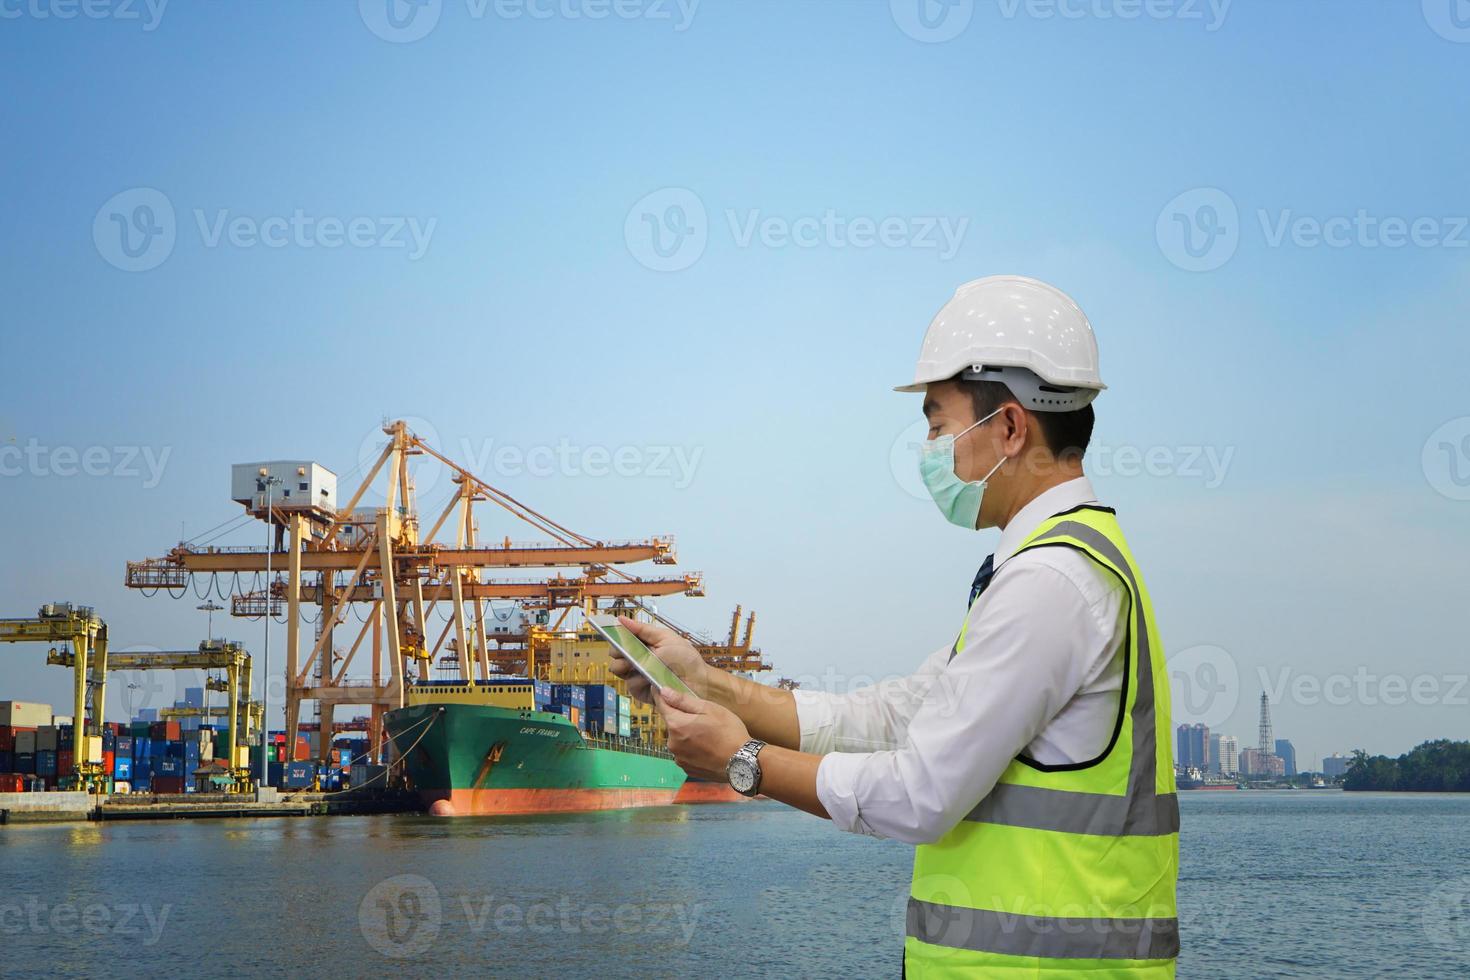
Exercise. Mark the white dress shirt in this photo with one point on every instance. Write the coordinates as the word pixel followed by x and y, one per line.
pixel 1040 673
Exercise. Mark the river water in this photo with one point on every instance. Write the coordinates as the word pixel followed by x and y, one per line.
pixel 1283 884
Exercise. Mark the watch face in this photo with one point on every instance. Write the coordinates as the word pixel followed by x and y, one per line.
pixel 742 775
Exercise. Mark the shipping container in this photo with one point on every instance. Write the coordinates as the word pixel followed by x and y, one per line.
pixel 46 738
pixel 142 747
pixel 601 696
pixel 45 762
pixel 12 782
pixel 25 762
pixel 572 694
pixel 168 766
pixel 275 772
pixel 541 692
pixel 169 731
pixel 7 760
pixel 363 774
pixel 25 740
pixel 168 784
pixel 122 767
pixel 109 763
pixel 64 762
pixel 625 727
pixel 123 745
pixel 24 714
pixel 65 737
pixel 299 775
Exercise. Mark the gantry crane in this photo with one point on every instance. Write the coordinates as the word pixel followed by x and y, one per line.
pixel 224 655
pixel 337 558
pixel 86 633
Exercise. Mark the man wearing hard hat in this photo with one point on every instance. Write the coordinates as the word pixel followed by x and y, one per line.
pixel 1029 759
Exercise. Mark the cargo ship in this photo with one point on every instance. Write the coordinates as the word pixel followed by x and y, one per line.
pixel 488 748
pixel 558 736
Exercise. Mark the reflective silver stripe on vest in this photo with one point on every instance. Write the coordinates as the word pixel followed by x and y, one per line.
pixel 1142 812
pixel 1049 937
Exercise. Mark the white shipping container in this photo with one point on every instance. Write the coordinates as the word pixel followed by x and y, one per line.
pixel 24 714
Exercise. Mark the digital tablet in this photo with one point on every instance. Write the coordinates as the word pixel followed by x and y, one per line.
pixel 643 659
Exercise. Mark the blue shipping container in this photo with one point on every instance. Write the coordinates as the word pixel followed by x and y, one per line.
pixel 541 692
pixel 299 774
pixel 45 763
pixel 122 768
pixel 25 762
pixel 124 745
pixel 168 766
pixel 599 696
pixel 572 694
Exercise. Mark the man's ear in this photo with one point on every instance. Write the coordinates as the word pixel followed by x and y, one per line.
pixel 1017 427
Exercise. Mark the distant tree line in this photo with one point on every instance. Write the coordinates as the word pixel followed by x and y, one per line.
pixel 1441 766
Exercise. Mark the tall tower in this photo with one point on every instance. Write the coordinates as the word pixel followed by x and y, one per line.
pixel 1267 744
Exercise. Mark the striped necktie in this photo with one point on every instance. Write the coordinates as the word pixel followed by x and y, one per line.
pixel 982 578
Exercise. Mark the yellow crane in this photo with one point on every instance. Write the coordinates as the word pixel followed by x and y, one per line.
pixel 79 626
pixel 226 655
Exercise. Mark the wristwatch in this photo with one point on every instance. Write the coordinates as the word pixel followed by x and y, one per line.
pixel 743 771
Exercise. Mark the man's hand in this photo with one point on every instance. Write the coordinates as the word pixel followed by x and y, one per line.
pixel 668 646
pixel 702 735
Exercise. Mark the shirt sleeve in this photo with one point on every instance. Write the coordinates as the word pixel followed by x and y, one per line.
pixel 865 719
pixel 1027 652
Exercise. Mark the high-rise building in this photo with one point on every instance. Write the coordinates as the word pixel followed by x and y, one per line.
pixel 1255 764
pixel 1336 766
pixel 1229 756
pixel 1287 751
pixel 1193 747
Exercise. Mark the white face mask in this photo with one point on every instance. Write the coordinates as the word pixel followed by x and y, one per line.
pixel 957 500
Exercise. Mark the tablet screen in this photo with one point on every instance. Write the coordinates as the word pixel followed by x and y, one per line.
pixel 643 658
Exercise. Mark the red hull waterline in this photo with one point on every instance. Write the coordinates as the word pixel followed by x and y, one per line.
pixel 489 802
pixel 699 791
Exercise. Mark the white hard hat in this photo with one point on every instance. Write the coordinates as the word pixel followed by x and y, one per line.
pixel 1018 331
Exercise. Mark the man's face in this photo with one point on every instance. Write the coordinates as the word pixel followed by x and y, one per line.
pixel 950 410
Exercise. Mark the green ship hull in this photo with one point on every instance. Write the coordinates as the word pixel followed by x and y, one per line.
pixel 467 759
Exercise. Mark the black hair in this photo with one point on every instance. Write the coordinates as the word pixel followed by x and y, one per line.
pixel 1066 434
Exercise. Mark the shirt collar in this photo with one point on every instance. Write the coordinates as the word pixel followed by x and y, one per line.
pixel 1049 503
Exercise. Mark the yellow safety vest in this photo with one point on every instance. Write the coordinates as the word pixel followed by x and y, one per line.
pixel 1065 869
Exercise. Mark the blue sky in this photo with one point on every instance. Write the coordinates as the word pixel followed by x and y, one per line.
pixel 1304 401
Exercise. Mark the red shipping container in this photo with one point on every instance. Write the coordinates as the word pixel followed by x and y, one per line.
pixel 7 738
pixel 303 749
pixel 12 782
pixel 109 759
pixel 65 758
pixel 166 731
pixel 168 784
